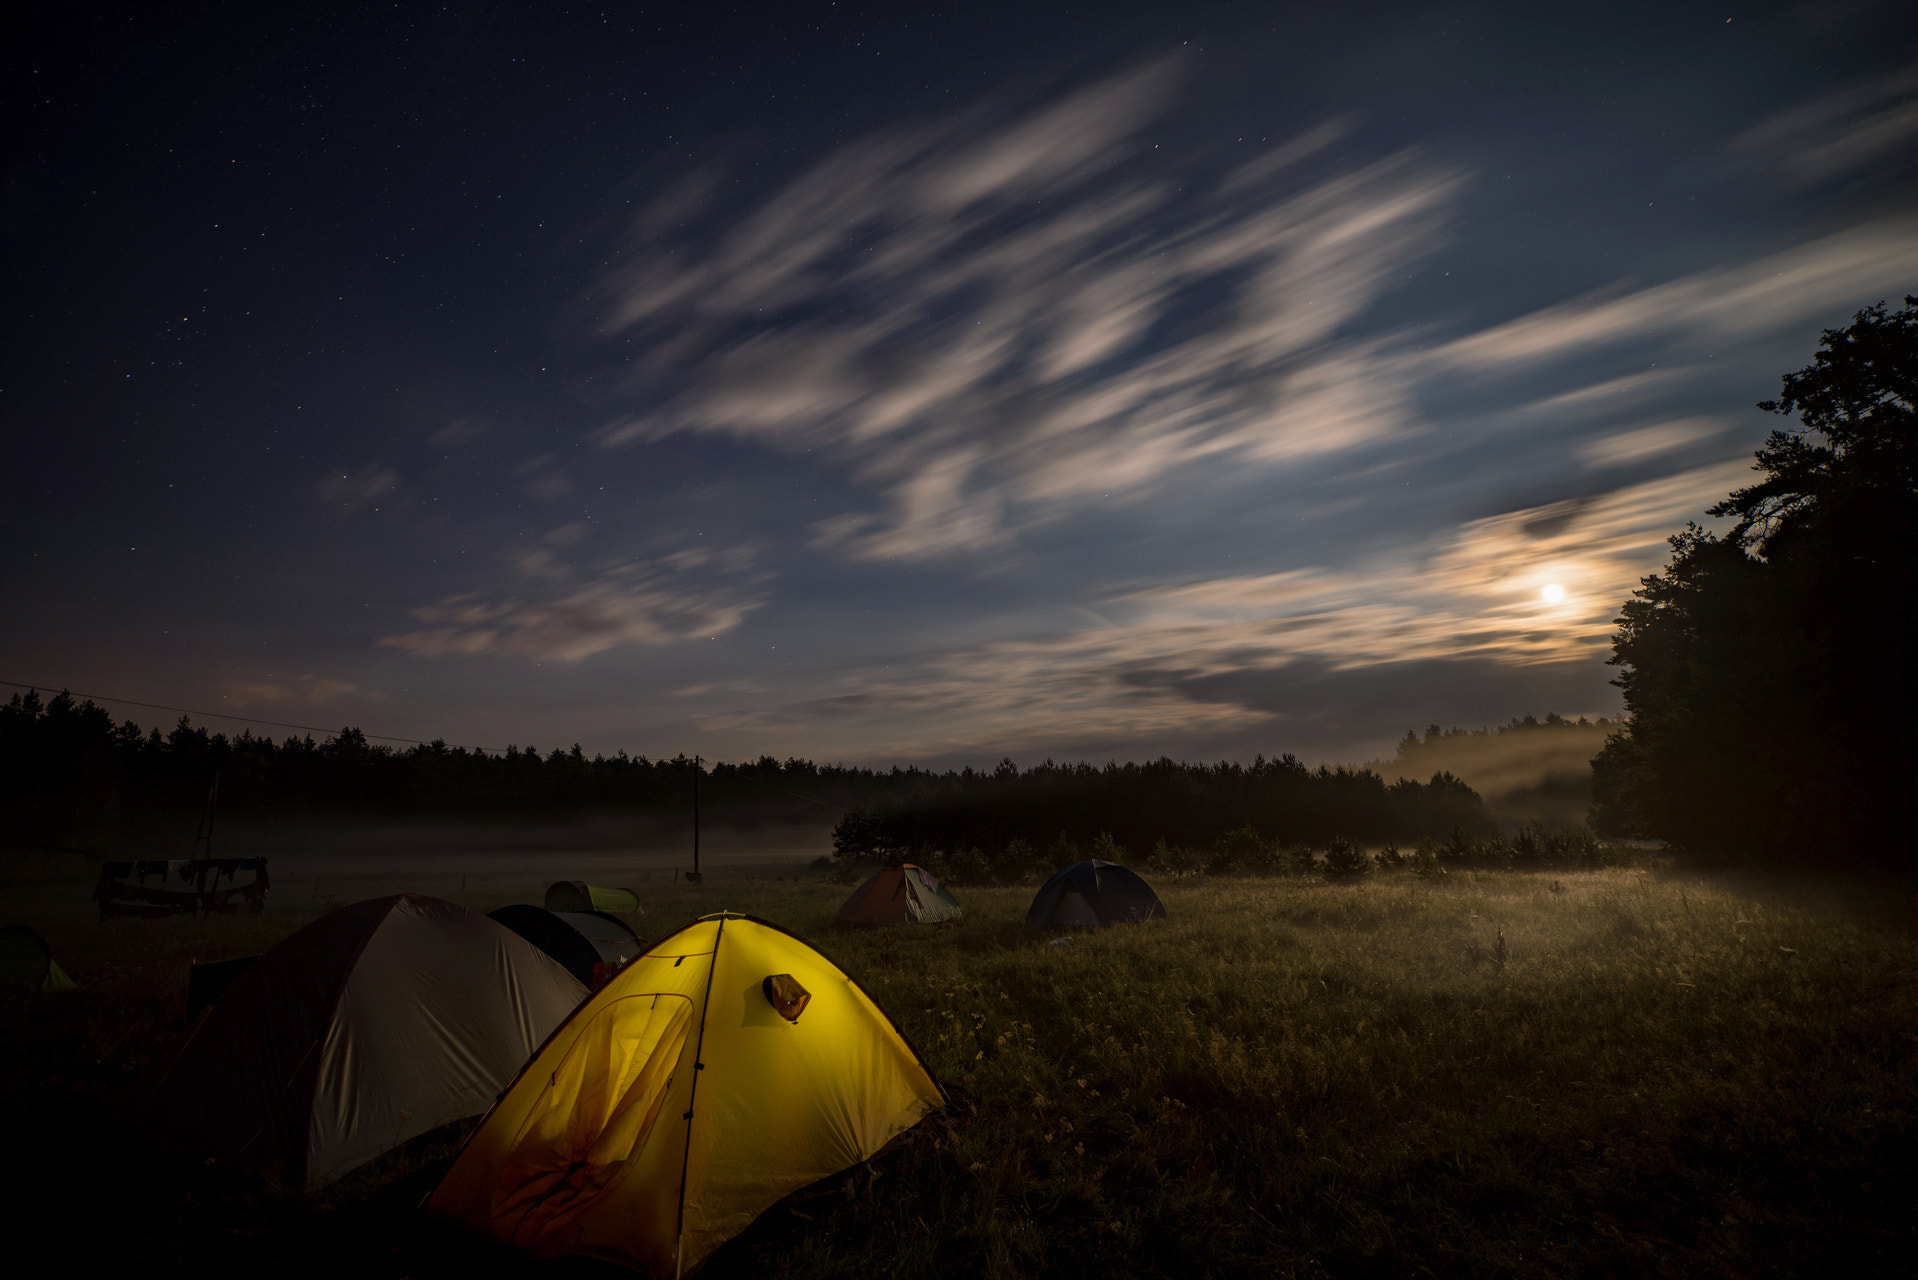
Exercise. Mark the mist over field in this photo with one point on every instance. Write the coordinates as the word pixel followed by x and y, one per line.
pixel 1527 771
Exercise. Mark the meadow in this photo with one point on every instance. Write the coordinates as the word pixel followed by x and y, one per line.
pixel 1629 1071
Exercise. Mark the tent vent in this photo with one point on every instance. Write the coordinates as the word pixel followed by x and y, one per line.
pixel 786 995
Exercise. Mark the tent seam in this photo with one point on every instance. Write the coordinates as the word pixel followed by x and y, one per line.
pixel 692 1099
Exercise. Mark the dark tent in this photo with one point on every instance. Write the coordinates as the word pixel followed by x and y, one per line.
pixel 366 1028
pixel 205 983
pixel 591 944
pixel 577 895
pixel 1094 893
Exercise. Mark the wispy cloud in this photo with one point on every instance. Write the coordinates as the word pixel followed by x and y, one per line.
pixel 986 323
pixel 1743 301
pixel 1837 134
pixel 311 690
pixel 1642 443
pixel 1207 656
pixel 694 593
pixel 617 609
pixel 356 488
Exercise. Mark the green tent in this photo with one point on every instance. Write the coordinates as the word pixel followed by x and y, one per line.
pixel 577 895
pixel 25 959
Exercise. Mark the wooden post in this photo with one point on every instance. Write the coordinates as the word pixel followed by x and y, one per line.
pixel 695 877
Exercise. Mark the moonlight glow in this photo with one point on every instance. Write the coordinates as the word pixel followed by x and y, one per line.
pixel 1553 593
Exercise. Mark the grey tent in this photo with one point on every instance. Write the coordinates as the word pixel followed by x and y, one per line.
pixel 591 944
pixel 1094 893
pixel 368 1027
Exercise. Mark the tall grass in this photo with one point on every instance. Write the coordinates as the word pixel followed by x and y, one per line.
pixel 1611 1071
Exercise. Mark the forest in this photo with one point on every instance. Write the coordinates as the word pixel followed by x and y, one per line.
pixel 72 773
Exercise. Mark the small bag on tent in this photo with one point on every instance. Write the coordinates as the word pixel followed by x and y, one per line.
pixel 577 895
pixel 366 1028
pixel 724 1069
pixel 1093 893
pixel 26 959
pixel 592 945
pixel 902 894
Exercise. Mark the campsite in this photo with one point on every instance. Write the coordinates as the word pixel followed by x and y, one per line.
pixel 1646 1069
pixel 852 641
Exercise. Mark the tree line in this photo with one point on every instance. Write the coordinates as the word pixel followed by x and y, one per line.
pixel 1768 671
pixel 64 757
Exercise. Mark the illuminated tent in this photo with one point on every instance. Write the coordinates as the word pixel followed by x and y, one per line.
pixel 727 1067
pixel 904 894
pixel 591 944
pixel 1094 893
pixel 366 1028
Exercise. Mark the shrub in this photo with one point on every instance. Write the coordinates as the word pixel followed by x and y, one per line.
pixel 1176 860
pixel 1346 861
pixel 1017 862
pixel 966 866
pixel 1390 859
pixel 1106 849
pixel 1241 852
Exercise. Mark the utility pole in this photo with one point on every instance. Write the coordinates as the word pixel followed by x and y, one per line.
pixel 695 877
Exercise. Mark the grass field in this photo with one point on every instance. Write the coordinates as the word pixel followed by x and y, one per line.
pixel 1659 1073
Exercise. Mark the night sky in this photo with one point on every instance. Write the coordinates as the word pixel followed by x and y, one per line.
pixel 881 384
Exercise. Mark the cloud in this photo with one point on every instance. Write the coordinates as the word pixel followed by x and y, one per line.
pixel 1227 657
pixel 352 489
pixel 457 432
pixel 1837 134
pixel 601 615
pixel 309 689
pixel 1865 262
pixel 986 322
pixel 581 613
pixel 1641 443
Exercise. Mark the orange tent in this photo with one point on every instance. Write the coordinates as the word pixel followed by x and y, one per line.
pixel 904 894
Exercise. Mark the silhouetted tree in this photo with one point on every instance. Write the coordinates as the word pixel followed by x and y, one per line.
pixel 1768 673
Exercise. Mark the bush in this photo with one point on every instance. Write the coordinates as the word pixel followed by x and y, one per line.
pixel 1016 863
pixel 966 866
pixel 1346 861
pixel 1176 860
pixel 1106 849
pixel 1242 852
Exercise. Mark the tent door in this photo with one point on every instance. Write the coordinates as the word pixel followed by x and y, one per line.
pixel 1074 910
pixel 597 1110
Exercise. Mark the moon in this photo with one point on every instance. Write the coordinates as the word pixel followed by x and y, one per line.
pixel 1553 593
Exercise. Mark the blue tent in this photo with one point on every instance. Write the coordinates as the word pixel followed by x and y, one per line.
pixel 1094 893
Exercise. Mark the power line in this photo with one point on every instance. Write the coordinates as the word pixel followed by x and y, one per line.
pixel 824 804
pixel 223 715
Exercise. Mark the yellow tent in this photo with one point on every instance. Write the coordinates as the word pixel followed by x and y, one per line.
pixel 727 1067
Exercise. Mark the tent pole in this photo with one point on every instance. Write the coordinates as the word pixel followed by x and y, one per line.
pixel 692 1096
